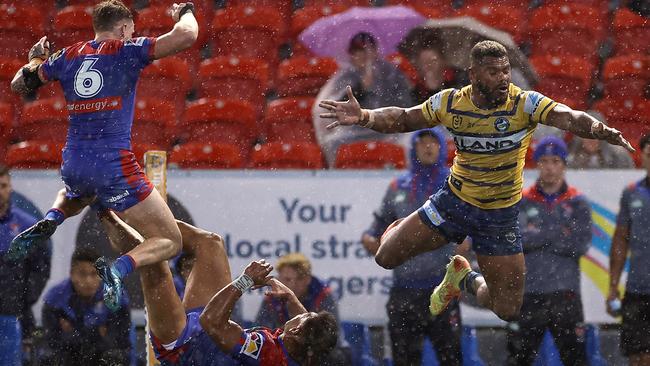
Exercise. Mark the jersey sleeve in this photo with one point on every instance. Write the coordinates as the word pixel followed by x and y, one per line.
pixel 431 109
pixel 53 67
pixel 538 106
pixel 257 348
pixel 140 50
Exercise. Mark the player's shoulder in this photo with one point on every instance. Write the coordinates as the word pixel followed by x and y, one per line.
pixel 532 100
pixel 437 100
pixel 135 42
pixel 574 194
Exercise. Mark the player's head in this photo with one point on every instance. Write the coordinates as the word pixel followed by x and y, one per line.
pixel 490 71
pixel 550 155
pixel 362 50
pixel 294 270
pixel 112 16
pixel 83 274
pixel 644 146
pixel 5 188
pixel 311 336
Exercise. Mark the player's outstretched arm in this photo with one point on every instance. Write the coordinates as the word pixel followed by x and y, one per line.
pixel 182 36
pixel 30 77
pixel 584 125
pixel 384 120
pixel 281 291
pixel 215 318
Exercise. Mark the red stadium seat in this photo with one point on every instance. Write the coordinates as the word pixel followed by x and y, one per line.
pixel 631 33
pixel 347 3
pixel 432 12
pixel 277 155
pixel 303 18
pixel 196 155
pixel 304 75
pixel 34 155
pixel 521 4
pixel 45 120
pixel 169 79
pixel 21 27
pixel 154 122
pixel 210 120
pixel 8 69
pixel 574 29
pixel 566 77
pixel 627 76
pixel 370 155
pixel 247 31
pixel 155 21
pixel 630 116
pixel 289 120
pixel 405 66
pixel 601 5
pixel 6 128
pixel 284 7
pixel 235 78
pixel 72 24
pixel 128 3
pixel 47 9
pixel 509 19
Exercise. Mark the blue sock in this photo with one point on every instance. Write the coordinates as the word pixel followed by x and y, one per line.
pixel 56 215
pixel 124 265
pixel 467 284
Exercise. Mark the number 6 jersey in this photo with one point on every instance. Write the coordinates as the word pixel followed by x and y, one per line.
pixel 99 81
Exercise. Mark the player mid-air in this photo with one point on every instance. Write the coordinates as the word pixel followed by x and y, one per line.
pixel 491 121
pixel 198 330
pixel 99 79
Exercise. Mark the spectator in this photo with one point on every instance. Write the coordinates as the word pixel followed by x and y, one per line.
pixel 79 328
pixel 409 319
pixel 555 221
pixel 21 281
pixel 433 72
pixel 596 154
pixel 632 236
pixel 294 270
pixel 375 82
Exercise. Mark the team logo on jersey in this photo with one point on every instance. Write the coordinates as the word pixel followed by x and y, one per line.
pixel 457 122
pixel 511 237
pixel 253 345
pixel 501 124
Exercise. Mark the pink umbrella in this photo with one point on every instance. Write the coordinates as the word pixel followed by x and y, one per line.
pixel 330 36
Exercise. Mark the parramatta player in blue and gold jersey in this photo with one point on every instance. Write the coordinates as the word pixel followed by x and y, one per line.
pixel 491 122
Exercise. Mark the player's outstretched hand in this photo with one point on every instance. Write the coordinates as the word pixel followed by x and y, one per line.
pixel 278 289
pixel 41 50
pixel 342 113
pixel 178 10
pixel 611 135
pixel 259 272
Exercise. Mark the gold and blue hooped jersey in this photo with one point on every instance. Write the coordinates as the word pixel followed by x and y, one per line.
pixel 490 144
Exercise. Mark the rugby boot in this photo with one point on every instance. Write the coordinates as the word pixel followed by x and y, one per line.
pixel 36 234
pixel 112 284
pixel 449 288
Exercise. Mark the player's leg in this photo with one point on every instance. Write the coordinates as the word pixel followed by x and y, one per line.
pixel 211 270
pixel 64 206
pixel 165 311
pixel 501 286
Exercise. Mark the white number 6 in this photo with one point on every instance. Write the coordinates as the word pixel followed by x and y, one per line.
pixel 88 81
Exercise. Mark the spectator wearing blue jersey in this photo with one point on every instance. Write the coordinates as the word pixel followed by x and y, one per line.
pixel 632 237
pixel 79 328
pixel 22 280
pixel 555 223
pixel 409 320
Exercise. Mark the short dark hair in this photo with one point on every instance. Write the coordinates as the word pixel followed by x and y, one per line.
pixel 109 12
pixel 485 49
pixel 4 170
pixel 361 41
pixel 319 335
pixel 84 254
pixel 645 140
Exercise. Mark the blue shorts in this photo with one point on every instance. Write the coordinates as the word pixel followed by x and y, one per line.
pixel 493 232
pixel 193 347
pixel 113 175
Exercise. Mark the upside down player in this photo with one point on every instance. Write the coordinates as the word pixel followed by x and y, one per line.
pixel 99 78
pixel 492 122
pixel 198 331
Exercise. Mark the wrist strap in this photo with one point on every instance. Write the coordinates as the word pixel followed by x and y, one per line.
pixel 186 8
pixel 367 118
pixel 243 283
